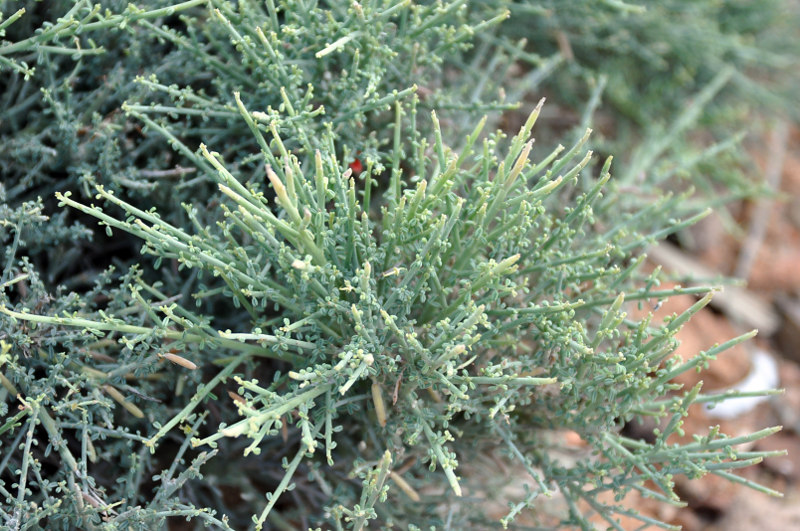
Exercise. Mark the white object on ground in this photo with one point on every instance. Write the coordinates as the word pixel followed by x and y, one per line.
pixel 762 377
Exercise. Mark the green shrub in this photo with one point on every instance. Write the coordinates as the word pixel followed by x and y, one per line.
pixel 339 339
pixel 680 82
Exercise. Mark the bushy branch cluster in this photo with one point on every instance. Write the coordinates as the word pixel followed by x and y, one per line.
pixel 335 314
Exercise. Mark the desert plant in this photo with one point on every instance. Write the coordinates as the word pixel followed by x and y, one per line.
pixel 490 317
pixel 307 341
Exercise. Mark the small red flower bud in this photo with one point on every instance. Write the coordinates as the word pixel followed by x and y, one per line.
pixel 356 166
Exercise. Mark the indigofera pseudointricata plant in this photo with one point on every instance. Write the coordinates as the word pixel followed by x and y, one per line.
pixel 467 302
pixel 337 319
